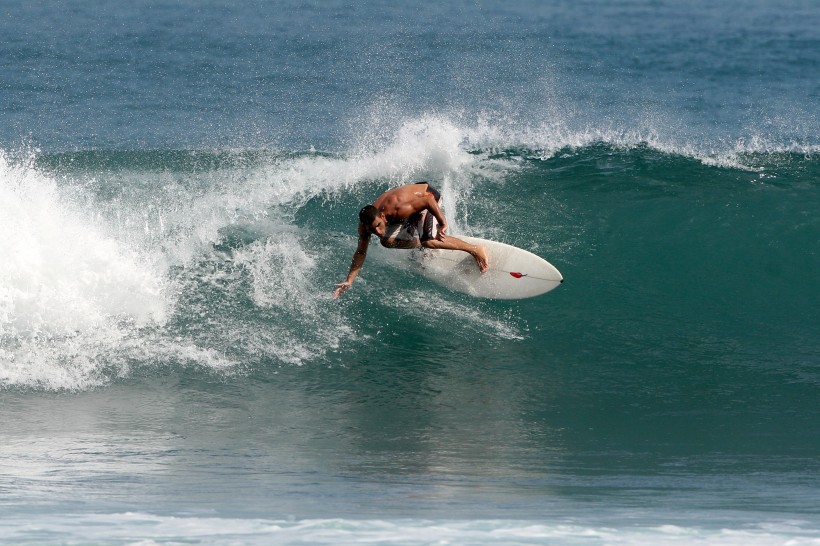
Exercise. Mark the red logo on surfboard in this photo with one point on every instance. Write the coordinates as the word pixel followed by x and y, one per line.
pixel 517 275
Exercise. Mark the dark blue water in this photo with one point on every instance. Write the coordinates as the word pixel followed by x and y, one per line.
pixel 179 185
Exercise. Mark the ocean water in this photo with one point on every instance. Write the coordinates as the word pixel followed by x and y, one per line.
pixel 179 184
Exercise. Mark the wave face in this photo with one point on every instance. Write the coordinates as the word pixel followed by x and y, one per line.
pixel 224 260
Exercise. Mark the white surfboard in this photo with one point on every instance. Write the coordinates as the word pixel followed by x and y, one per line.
pixel 514 273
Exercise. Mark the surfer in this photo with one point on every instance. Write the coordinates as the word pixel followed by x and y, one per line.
pixel 406 217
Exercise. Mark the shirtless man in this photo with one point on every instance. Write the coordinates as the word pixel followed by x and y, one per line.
pixel 406 217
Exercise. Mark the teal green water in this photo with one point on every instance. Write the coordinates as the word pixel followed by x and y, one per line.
pixel 681 347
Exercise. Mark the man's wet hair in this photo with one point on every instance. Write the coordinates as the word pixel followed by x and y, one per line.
pixel 368 214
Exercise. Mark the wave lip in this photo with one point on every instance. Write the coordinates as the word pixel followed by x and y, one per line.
pixel 506 139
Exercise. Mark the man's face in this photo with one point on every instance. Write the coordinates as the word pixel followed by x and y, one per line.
pixel 379 226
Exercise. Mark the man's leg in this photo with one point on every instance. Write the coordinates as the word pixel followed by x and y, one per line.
pixel 452 243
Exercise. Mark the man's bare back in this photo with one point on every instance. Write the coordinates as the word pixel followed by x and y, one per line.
pixel 402 202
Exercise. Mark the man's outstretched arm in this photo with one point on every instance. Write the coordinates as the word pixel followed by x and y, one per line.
pixel 356 266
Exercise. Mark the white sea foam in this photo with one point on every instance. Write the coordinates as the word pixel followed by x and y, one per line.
pixel 143 528
pixel 67 287
pixel 283 284
pixel 82 275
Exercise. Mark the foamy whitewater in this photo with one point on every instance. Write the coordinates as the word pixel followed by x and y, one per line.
pixel 97 274
pixel 179 186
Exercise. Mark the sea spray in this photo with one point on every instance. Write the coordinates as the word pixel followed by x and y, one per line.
pixel 67 287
